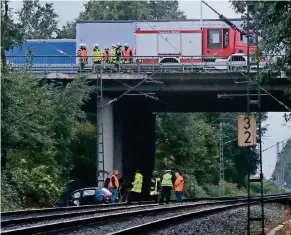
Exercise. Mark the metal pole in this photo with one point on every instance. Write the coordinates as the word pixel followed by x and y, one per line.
pixel 248 111
pixel 260 137
pixel 221 175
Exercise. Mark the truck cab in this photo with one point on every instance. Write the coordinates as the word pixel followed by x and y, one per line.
pixel 222 42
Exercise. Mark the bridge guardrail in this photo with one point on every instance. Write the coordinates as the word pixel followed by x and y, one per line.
pixel 137 64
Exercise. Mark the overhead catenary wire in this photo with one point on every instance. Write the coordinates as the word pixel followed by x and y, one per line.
pixel 276 144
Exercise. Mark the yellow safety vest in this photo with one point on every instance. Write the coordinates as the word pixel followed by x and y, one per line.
pixel 167 180
pixel 137 184
pixel 113 54
pixel 97 55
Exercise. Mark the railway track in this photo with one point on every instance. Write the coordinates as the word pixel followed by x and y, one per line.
pixel 59 210
pixel 55 222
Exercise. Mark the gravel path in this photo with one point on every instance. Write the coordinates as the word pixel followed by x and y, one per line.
pixel 233 222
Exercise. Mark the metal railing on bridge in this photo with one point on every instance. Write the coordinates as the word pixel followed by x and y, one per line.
pixel 139 64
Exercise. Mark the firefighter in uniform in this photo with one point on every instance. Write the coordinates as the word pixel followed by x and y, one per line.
pixel 106 55
pixel 167 185
pixel 96 55
pixel 113 54
pixel 113 185
pixel 155 186
pixel 83 56
pixel 127 54
pixel 135 192
pixel 118 52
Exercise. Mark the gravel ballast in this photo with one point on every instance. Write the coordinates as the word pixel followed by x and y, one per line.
pixel 232 222
pixel 224 223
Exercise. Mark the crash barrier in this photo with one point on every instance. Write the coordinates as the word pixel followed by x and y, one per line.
pixel 137 63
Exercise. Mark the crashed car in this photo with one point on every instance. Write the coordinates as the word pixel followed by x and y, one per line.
pixel 89 196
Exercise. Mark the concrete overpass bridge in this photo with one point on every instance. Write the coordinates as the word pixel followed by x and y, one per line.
pixel 133 93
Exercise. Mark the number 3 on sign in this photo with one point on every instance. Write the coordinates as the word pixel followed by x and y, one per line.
pixel 247 131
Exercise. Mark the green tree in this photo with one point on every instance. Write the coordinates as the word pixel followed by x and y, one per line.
pixel 38 22
pixel 273 18
pixel 285 156
pixel 125 10
pixel 187 143
pixel 11 32
pixel 40 125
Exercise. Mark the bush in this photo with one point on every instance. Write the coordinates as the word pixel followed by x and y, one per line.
pixel 192 189
pixel 224 189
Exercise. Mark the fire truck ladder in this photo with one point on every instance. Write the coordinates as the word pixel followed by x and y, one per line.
pixel 100 132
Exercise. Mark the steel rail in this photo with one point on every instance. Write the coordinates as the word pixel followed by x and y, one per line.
pixel 30 212
pixel 163 223
pixel 87 220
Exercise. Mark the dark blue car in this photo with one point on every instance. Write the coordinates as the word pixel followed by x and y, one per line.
pixel 89 196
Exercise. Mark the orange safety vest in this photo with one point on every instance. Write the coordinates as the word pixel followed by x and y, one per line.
pixel 115 181
pixel 126 53
pixel 179 184
pixel 82 53
pixel 105 55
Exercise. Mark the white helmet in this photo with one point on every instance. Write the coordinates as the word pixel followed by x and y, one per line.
pixel 118 44
pixel 96 45
pixel 82 45
pixel 113 45
pixel 126 44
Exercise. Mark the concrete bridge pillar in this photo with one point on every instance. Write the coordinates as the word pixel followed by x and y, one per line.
pixel 108 137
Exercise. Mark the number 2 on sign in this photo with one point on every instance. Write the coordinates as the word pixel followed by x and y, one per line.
pixel 247 121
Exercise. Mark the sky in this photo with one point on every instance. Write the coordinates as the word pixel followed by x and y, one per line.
pixel 69 10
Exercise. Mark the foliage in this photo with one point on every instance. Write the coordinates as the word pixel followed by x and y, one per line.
pixel 11 32
pixel 186 143
pixel 125 10
pixel 273 18
pixel 285 155
pixel 40 126
pixel 38 22
pixel 269 187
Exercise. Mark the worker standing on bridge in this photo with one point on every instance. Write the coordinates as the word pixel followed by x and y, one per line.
pixel 127 54
pixel 113 54
pixel 118 52
pixel 167 185
pixel 135 192
pixel 179 185
pixel 106 55
pixel 155 186
pixel 96 55
pixel 82 54
pixel 113 185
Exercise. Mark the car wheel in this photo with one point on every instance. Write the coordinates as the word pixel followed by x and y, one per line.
pixel 76 203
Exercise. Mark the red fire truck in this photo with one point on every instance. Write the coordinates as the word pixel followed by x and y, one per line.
pixel 184 41
pixel 188 42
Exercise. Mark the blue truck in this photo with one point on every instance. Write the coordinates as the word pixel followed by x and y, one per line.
pixel 43 52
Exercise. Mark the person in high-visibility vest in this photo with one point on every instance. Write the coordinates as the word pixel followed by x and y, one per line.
pixel 135 191
pixel 179 186
pixel 126 54
pixel 118 52
pixel 83 57
pixel 113 54
pixel 167 185
pixel 155 186
pixel 113 185
pixel 96 55
pixel 106 55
